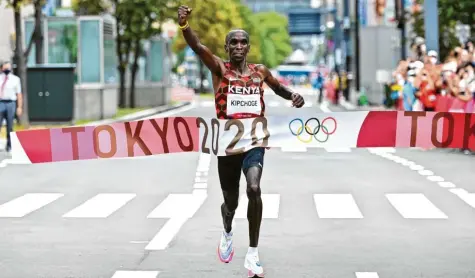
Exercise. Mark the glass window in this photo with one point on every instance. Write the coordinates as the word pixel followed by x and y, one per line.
pixel 90 52
pixel 62 42
pixel 110 61
pixel 29 28
pixel 156 61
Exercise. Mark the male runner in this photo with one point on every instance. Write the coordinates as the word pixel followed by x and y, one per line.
pixel 236 82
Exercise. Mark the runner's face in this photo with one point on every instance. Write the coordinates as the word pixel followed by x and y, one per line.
pixel 237 46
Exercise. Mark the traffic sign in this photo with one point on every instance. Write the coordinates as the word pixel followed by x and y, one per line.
pixel 305 22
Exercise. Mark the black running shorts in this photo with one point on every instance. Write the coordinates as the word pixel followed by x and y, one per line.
pixel 230 167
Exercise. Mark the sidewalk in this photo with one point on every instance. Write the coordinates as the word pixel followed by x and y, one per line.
pixel 129 117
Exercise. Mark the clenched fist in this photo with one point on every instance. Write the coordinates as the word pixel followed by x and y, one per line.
pixel 183 13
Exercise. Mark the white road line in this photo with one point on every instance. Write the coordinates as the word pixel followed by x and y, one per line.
pixel 435 178
pixel 135 274
pixel 468 198
pixel 27 203
pixel 324 107
pixel 293 149
pixel 338 150
pixel 100 206
pixel 426 173
pixel 179 208
pixel 415 206
pixel 336 206
pixel 270 210
pixel 166 234
pixel 446 184
pixel 367 275
pixel 207 103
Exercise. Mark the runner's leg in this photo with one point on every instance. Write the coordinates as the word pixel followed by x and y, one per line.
pixel 252 168
pixel 229 170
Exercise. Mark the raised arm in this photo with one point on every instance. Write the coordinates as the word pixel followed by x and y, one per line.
pixel 213 63
pixel 280 89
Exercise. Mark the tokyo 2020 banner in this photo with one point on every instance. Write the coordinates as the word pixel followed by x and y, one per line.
pixel 362 129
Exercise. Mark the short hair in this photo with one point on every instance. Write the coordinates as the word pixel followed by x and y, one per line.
pixel 232 32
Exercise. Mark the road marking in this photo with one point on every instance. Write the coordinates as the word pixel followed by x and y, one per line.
pixel 336 206
pixel 468 198
pixel 324 107
pixel 426 173
pixel 415 206
pixel 338 150
pixel 274 103
pixel 367 275
pixel 27 203
pixel 207 103
pixel 136 274
pixel 446 184
pixel 100 206
pixel 166 234
pixel 271 204
pixel 292 149
pixel 435 178
pixel 179 208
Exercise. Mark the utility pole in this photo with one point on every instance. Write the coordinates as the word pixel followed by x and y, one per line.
pixel 401 16
pixel 347 30
pixel 357 46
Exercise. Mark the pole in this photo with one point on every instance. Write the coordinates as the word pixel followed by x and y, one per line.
pixel 357 46
pixel 346 26
pixel 431 23
pixel 401 15
pixel 338 55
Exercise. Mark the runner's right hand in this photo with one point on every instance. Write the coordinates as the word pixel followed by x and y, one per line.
pixel 183 13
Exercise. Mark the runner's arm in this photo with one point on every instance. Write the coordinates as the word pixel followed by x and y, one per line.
pixel 274 84
pixel 212 62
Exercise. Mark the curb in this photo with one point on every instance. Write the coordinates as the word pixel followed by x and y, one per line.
pixel 141 114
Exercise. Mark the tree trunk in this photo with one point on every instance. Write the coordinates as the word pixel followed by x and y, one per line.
pixel 122 95
pixel 39 37
pixel 133 72
pixel 202 75
pixel 20 63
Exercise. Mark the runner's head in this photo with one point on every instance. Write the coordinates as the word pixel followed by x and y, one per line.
pixel 237 45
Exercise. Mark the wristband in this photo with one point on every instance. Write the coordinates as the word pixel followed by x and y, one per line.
pixel 184 26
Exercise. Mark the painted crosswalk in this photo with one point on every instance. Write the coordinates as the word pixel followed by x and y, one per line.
pixel 327 205
pixel 156 274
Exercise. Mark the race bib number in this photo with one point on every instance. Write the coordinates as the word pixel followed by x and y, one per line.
pixel 244 104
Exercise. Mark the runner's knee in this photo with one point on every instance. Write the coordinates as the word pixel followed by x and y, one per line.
pixel 231 201
pixel 253 191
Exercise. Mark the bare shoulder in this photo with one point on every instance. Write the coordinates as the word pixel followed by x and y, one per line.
pixel 263 70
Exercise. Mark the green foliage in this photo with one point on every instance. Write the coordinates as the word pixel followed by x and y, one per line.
pixel 211 20
pixel 90 7
pixel 275 40
pixel 270 41
pixel 450 12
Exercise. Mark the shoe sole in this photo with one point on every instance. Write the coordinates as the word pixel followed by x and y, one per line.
pixel 251 274
pixel 223 260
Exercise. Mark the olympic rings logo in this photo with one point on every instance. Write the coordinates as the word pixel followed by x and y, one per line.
pixel 313 129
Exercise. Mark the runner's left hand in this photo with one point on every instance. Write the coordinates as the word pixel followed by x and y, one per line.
pixel 297 100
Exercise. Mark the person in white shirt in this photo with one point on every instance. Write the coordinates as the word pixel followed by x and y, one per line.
pixel 11 100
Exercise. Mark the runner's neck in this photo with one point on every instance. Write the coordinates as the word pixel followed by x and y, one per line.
pixel 240 67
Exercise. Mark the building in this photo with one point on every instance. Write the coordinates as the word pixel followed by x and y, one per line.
pixel 280 6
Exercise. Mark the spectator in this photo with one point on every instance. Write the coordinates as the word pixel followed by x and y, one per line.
pixel 10 99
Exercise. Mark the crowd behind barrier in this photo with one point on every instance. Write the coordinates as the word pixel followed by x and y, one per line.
pixel 423 83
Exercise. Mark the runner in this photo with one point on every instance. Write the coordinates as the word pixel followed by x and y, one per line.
pixel 239 93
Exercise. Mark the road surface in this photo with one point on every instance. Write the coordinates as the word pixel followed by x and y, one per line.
pixel 328 213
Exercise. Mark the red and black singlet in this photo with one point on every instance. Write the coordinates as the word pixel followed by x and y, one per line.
pixel 240 96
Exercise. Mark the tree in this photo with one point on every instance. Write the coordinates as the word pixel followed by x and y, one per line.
pixel 147 17
pixel 20 56
pixel 211 20
pixel 450 12
pixel 275 40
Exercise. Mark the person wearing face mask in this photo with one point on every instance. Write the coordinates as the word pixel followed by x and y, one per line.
pixel 432 57
pixel 11 101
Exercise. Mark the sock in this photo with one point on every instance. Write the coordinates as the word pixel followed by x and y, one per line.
pixel 252 250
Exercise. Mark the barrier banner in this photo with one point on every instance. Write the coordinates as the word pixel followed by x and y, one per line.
pixel 361 129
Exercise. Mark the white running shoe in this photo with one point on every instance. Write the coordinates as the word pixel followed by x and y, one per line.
pixel 253 265
pixel 225 248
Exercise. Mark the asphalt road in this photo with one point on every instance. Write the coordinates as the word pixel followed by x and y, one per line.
pixel 328 213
